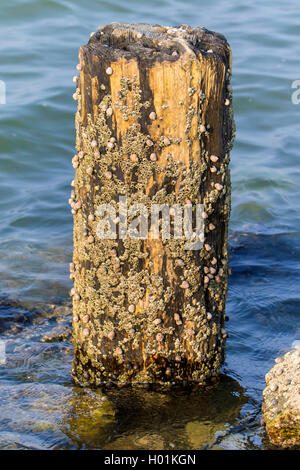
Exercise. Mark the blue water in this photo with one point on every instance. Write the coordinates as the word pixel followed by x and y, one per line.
pixel 39 406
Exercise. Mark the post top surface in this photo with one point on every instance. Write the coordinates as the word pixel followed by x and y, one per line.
pixel 145 38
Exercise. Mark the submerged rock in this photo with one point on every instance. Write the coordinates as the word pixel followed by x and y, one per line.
pixel 53 416
pixel 13 315
pixel 281 401
pixel 59 333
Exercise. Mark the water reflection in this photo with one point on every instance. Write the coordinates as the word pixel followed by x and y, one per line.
pixel 140 419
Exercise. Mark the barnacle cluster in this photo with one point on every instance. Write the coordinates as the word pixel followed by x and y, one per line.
pixel 147 310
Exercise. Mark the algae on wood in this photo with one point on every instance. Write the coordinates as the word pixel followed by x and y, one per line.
pixel 154 124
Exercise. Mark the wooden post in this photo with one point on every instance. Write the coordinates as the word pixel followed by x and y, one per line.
pixel 154 125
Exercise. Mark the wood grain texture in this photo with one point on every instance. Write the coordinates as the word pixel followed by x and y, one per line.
pixel 154 124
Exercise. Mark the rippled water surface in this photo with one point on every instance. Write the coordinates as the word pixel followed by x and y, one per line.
pixel 39 406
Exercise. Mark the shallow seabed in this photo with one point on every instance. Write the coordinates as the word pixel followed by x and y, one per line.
pixel 39 406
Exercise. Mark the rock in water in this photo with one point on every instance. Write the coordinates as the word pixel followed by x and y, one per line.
pixel 281 401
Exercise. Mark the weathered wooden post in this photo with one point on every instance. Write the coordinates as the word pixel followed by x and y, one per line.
pixel 154 126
